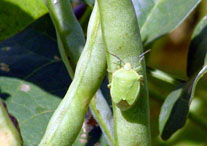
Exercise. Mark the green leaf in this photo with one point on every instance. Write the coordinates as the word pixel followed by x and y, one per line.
pixel 15 15
pixel 175 108
pixel 158 17
pixel 33 79
pixel 31 105
pixel 142 9
pixel 198 48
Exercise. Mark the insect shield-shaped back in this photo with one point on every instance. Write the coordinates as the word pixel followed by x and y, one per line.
pixel 125 87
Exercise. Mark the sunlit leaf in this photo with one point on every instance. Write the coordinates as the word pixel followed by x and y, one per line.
pixel 158 17
pixel 15 15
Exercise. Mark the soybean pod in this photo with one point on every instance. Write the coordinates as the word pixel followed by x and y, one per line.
pixel 122 39
pixel 9 134
pixel 56 15
pixel 70 36
pixel 67 120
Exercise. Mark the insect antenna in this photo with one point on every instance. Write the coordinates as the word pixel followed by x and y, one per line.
pixel 141 56
pixel 117 58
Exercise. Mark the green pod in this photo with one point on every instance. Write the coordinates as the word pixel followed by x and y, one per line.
pixel 9 134
pixel 96 113
pixel 122 40
pixel 69 33
pixel 66 122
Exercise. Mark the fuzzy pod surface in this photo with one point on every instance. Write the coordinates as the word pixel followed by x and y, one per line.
pixel 67 120
pixel 122 39
pixel 70 35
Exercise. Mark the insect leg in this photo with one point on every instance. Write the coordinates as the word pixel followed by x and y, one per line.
pixel 137 69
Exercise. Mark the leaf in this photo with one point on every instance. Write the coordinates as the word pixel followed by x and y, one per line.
pixel 33 79
pixel 198 48
pixel 15 15
pixel 158 17
pixel 175 108
pixel 143 9
pixel 26 102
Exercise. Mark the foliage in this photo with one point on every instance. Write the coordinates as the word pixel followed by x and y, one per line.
pixel 38 61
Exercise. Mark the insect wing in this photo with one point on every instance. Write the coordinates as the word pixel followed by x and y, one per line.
pixel 125 86
pixel 133 92
pixel 116 91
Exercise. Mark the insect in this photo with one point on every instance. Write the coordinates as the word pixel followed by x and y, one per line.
pixel 125 85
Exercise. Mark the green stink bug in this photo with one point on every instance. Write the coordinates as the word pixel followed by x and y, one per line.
pixel 125 85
